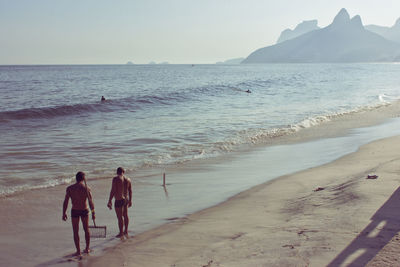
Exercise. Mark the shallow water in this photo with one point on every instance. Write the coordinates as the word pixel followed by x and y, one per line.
pixel 52 122
pixel 204 184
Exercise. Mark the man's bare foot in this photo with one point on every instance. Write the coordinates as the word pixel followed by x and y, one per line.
pixel 77 254
pixel 120 235
pixel 126 234
pixel 87 251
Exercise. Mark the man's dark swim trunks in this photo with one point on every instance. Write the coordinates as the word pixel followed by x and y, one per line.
pixel 120 203
pixel 79 213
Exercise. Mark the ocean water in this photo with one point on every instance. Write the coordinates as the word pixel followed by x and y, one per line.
pixel 53 124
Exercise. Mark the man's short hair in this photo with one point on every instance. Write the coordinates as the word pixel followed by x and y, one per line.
pixel 80 176
pixel 120 170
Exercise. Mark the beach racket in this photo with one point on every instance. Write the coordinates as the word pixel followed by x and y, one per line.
pixel 97 231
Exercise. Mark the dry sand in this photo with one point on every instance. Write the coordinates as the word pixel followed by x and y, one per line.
pixel 286 223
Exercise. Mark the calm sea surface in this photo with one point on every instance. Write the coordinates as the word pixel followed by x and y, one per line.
pixel 52 122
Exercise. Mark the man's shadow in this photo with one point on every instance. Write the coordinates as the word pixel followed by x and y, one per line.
pixel 369 242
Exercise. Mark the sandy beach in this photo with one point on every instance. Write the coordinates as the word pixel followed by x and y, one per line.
pixel 349 221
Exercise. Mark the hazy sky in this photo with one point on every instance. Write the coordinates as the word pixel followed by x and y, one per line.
pixel 177 31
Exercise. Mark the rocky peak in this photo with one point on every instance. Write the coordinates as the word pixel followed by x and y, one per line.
pixel 356 22
pixel 302 28
pixel 306 25
pixel 341 18
pixel 397 24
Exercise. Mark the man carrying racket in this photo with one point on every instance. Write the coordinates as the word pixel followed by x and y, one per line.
pixel 79 193
pixel 121 190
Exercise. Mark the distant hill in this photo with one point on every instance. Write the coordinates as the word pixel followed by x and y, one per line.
pixel 390 33
pixel 302 28
pixel 232 61
pixel 345 40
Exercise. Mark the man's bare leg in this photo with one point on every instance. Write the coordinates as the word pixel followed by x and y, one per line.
pixel 85 223
pixel 118 211
pixel 75 228
pixel 126 219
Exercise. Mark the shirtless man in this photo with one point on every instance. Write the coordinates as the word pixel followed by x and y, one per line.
pixel 121 189
pixel 79 193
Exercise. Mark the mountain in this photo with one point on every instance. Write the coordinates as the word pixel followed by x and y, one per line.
pixel 390 33
pixel 232 61
pixel 344 40
pixel 302 28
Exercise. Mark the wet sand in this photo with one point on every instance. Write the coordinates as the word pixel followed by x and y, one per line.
pixel 270 224
pixel 287 222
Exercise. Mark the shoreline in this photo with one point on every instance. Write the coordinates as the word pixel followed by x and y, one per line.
pixel 284 222
pixel 309 129
pixel 35 216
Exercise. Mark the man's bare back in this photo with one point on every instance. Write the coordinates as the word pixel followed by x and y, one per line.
pixel 121 190
pixel 121 186
pixel 78 193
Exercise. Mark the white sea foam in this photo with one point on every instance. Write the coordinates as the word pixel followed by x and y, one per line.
pixel 384 98
pixel 159 115
pixel 45 184
pixel 184 153
pixel 259 136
